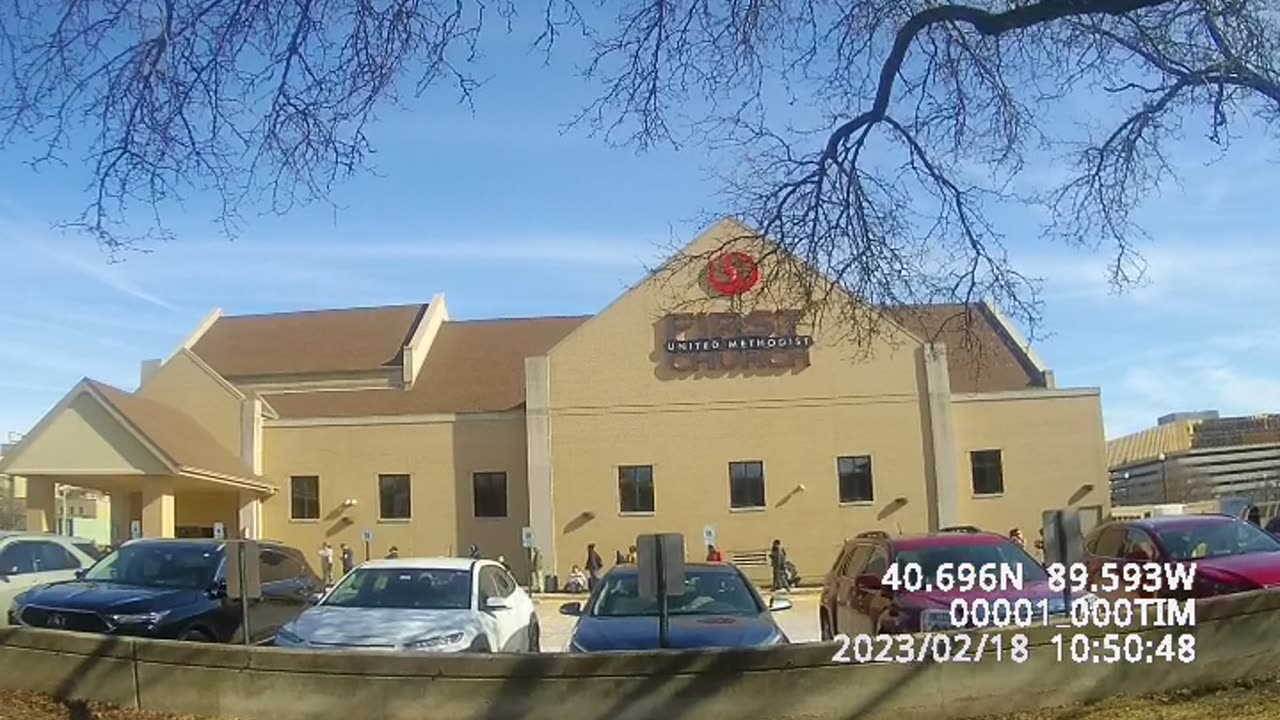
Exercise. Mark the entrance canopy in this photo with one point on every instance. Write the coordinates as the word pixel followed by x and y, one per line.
pixel 102 437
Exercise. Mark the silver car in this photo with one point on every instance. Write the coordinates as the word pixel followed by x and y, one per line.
pixel 420 605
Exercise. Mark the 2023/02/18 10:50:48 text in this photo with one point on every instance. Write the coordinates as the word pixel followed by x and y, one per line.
pixel 931 647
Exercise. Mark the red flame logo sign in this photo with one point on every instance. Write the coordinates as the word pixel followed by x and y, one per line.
pixel 733 273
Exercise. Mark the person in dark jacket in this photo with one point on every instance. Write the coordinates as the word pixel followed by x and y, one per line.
pixel 595 566
pixel 348 559
pixel 1273 526
pixel 778 563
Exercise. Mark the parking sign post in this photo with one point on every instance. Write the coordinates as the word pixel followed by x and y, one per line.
pixel 244 581
pixel 368 544
pixel 661 566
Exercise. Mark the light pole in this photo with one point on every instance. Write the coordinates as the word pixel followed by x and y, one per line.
pixel 1164 483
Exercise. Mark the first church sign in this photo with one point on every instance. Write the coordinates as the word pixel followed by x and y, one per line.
pixel 762 339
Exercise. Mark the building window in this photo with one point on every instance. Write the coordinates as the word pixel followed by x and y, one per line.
pixel 988 472
pixel 393 497
pixel 635 488
pixel 854 475
pixel 746 484
pixel 490 494
pixel 304 494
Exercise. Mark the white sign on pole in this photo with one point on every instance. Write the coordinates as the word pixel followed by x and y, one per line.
pixel 135 529
pixel 526 538
pixel 709 535
pixel 367 535
pixel 219 531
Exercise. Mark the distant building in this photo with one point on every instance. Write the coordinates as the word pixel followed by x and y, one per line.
pixel 1192 456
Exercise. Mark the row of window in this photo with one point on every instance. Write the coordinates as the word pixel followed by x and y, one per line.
pixel 746 481
pixel 635 487
pixel 395 495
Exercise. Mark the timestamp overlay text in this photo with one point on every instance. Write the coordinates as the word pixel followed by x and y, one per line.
pixel 972 613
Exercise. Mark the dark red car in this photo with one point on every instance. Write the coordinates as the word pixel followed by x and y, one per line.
pixel 1229 555
pixel 856 599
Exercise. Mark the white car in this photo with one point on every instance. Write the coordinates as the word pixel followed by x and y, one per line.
pixel 420 604
pixel 31 559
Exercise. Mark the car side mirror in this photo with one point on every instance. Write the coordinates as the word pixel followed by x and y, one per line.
pixel 81 573
pixel 496 603
pixel 573 609
pixel 777 603
pixel 868 583
pixel 218 590
pixel 314 598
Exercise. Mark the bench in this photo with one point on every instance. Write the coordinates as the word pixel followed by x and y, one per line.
pixel 754 564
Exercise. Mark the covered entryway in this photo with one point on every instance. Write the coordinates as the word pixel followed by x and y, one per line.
pixel 166 475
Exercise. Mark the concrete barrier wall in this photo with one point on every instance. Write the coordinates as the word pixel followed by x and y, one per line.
pixel 1236 637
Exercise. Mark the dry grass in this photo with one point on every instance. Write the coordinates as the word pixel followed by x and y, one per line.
pixel 34 706
pixel 1256 700
pixel 1251 700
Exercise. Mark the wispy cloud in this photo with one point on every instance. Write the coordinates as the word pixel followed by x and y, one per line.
pixel 1180 273
pixel 32 387
pixel 97 268
pixel 532 248
pixel 1196 382
pixel 105 274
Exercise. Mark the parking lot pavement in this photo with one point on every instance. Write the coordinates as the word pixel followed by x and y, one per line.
pixel 800 623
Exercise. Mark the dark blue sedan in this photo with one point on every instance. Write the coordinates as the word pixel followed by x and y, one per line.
pixel 719 608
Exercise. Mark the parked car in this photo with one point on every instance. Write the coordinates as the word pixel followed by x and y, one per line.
pixel 719 608
pixel 421 604
pixel 28 560
pixel 1230 555
pixel 173 589
pixel 855 598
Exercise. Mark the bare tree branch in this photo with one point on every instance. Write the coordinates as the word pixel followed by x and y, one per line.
pixel 872 139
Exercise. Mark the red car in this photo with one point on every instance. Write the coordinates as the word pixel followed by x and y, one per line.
pixel 1229 555
pixel 857 596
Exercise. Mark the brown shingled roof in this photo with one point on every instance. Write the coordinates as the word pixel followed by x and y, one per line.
pixel 181 439
pixel 315 341
pixel 981 359
pixel 473 366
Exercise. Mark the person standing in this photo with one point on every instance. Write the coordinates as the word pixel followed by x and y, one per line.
pixel 348 559
pixel 393 553
pixel 536 563
pixel 326 563
pixel 474 553
pixel 633 555
pixel 1016 536
pixel 595 566
pixel 778 564
pixel 713 554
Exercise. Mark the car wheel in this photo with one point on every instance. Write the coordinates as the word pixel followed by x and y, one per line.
pixel 195 635
pixel 824 628
pixel 535 636
pixel 480 645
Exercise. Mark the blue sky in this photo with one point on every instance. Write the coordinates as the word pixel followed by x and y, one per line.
pixel 509 216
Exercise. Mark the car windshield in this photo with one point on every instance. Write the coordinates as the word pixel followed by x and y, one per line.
pixel 169 565
pixel 707 592
pixel 89 549
pixel 408 588
pixel 1196 541
pixel 1005 554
